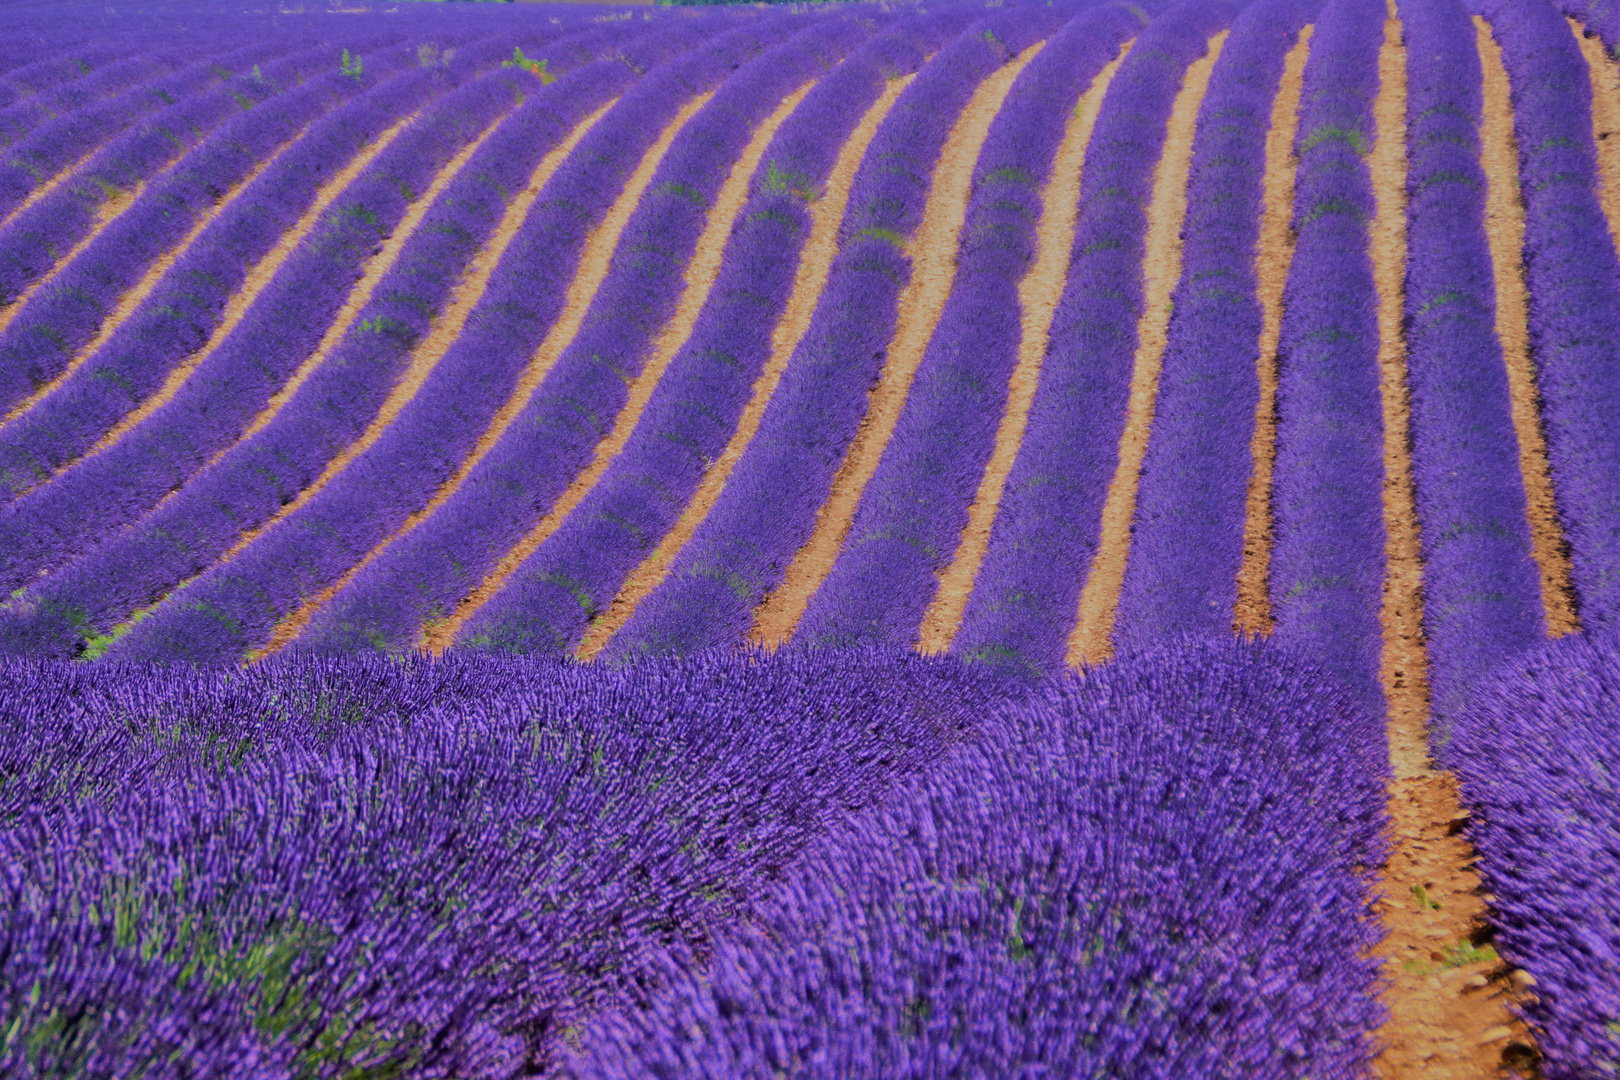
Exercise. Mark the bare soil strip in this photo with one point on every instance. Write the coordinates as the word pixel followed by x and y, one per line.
pixel 265 270
pixel 106 214
pixel 1091 640
pixel 136 295
pixel 469 292
pixel 1448 1005
pixel 1605 123
pixel 700 275
pixel 1273 258
pixel 815 261
pixel 1038 295
pixel 933 270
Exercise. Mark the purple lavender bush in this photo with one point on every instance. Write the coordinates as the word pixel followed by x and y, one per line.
pixel 1027 596
pixel 365 866
pixel 911 515
pixel 1156 870
pixel 1537 749
pixel 1186 542
pixel 1574 287
pixel 1481 588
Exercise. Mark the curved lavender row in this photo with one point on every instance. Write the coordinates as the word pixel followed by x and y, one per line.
pixel 220 399
pixel 253 479
pixel 911 516
pixel 89 87
pixel 1574 292
pixel 1027 596
pixel 1600 17
pixel 768 508
pixel 1156 872
pixel 1537 750
pixel 233 607
pixel 441 425
pixel 32 243
pixel 1327 563
pixel 1481 587
pixel 1191 504
pixel 66 315
pixel 57 142
pixel 425 573
pixel 177 318
pixel 475 857
pixel 551 598
pixel 33 81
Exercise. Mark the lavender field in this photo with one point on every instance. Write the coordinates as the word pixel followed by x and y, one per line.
pixel 932 538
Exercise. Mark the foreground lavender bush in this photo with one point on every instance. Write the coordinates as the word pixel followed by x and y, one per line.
pixel 1154 871
pixel 1537 750
pixel 408 867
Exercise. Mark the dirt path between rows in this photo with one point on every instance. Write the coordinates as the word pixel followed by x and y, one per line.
pixel 1038 295
pixel 815 262
pixel 1091 640
pixel 1448 1002
pixel 264 272
pixel 701 271
pixel 133 297
pixel 1274 256
pixel 469 292
pixel 110 210
pixel 933 270
pixel 1504 227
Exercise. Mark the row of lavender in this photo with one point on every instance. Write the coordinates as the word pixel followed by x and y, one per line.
pixel 477 867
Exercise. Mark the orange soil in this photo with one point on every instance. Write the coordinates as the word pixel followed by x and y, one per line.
pixel 1446 1018
pixel 1090 641
pixel 1504 224
pixel 815 261
pixel 136 295
pixel 1038 295
pixel 469 292
pixel 1275 254
pixel 1605 122
pixel 933 253
pixel 699 277
pixel 263 272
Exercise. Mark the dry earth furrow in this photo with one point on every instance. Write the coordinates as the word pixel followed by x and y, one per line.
pixel 1038 296
pixel 1273 257
pixel 107 213
pixel 1091 640
pixel 1442 1022
pixel 48 186
pixel 815 262
pixel 933 253
pixel 471 292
